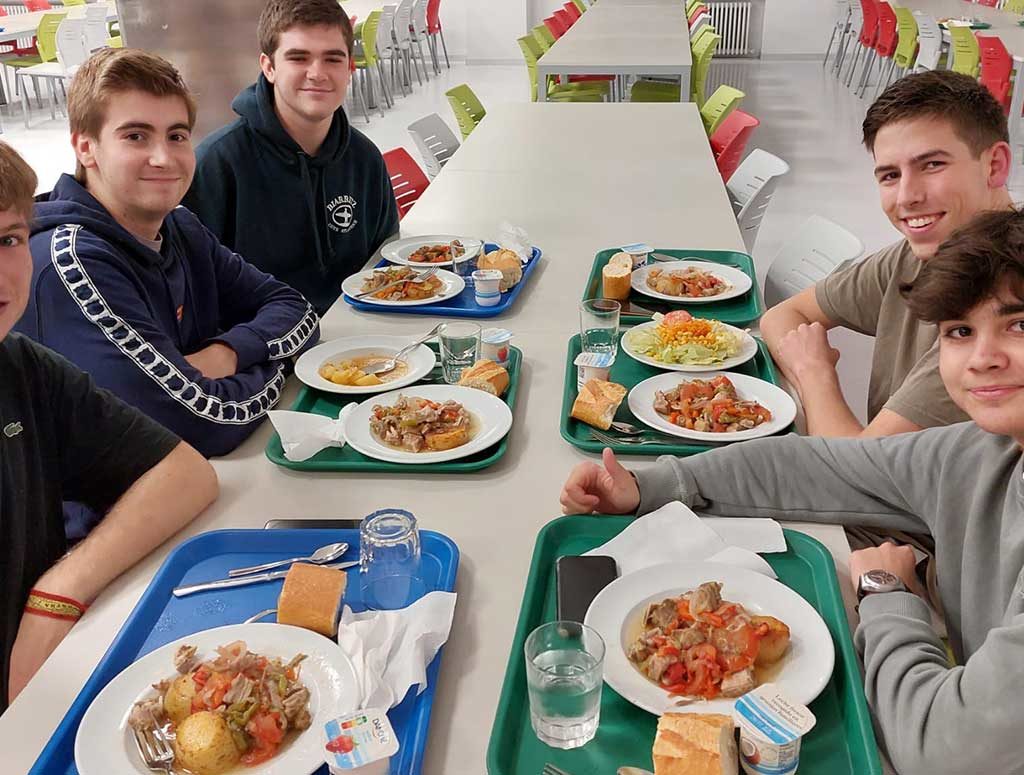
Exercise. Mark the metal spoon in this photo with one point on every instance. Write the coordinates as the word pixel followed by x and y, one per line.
pixel 324 554
pixel 389 365
pixel 632 771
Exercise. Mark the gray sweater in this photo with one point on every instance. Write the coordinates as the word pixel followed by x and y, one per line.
pixel 963 486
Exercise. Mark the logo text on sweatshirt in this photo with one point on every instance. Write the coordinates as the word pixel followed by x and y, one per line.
pixel 341 214
pixel 12 429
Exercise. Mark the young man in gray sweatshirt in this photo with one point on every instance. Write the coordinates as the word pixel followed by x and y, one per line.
pixel 962 484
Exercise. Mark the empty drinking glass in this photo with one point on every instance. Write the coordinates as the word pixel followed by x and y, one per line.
pixel 599 326
pixel 564 667
pixel 389 560
pixel 460 348
pixel 462 262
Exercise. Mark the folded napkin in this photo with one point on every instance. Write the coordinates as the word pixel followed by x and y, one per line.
pixel 675 534
pixel 514 238
pixel 391 650
pixel 303 434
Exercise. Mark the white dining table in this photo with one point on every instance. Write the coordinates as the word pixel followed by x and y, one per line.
pixel 24 25
pixel 623 40
pixel 578 178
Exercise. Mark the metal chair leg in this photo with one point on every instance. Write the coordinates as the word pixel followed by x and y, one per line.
pixel 440 31
pixel 853 65
pixel 828 50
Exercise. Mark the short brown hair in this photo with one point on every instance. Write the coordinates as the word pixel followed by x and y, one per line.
pixel 281 15
pixel 976 116
pixel 17 182
pixel 969 268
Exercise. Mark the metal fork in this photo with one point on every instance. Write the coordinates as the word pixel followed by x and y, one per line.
pixel 155 749
pixel 629 441
pixel 629 429
pixel 550 769
pixel 419 278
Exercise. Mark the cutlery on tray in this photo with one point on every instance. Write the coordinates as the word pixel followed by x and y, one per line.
pixel 633 441
pixel 242 581
pixel 155 749
pixel 326 553
pixel 392 362
pixel 661 258
pixel 550 769
pixel 419 278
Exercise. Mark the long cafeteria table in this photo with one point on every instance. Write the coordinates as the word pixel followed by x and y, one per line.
pixel 578 178
pixel 623 40
pixel 24 25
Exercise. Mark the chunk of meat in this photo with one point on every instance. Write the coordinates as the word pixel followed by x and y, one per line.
pixel 638 652
pixel 658 664
pixel 738 683
pixel 185 659
pixel 240 690
pixel 688 638
pixel 664 614
pixel 706 598
pixel 295 708
pixel 146 714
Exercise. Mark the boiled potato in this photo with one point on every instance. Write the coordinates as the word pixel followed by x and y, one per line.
pixel 203 744
pixel 447 440
pixel 178 700
pixel 775 643
pixel 368 379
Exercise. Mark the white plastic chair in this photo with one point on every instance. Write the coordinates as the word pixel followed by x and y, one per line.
pixel 851 39
pixel 751 189
pixel 420 34
pixel 388 48
pixel 403 40
pixel 435 140
pixel 929 41
pixel 699 24
pixel 814 251
pixel 96 31
pixel 71 52
pixel 839 29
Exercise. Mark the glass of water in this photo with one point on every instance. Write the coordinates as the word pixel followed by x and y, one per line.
pixel 460 348
pixel 599 326
pixel 390 560
pixel 462 262
pixel 564 668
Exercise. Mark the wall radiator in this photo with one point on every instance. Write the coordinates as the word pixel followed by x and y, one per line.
pixel 732 20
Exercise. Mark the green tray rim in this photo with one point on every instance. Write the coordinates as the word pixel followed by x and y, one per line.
pixel 765 366
pixel 755 304
pixel 801 544
pixel 275 452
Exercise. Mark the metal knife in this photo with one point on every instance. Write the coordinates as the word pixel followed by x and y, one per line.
pixel 661 257
pixel 242 581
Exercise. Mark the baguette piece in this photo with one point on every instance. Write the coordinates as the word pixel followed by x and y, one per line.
pixel 624 260
pixel 506 262
pixel 615 279
pixel 487 376
pixel 597 402
pixel 311 597
pixel 695 744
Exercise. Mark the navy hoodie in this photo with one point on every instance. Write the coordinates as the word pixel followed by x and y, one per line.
pixel 311 221
pixel 128 315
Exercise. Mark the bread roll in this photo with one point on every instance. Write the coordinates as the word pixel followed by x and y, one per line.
pixel 695 744
pixel 615 281
pixel 311 597
pixel 506 262
pixel 487 376
pixel 624 260
pixel 596 403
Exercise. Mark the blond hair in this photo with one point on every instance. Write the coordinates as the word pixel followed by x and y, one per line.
pixel 113 71
pixel 17 182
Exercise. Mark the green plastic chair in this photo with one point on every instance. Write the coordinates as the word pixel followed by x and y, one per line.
pixel 719 105
pixel 1014 6
pixel 46 45
pixel 906 30
pixel 964 47
pixel 691 4
pixel 703 52
pixel 466 107
pixel 581 5
pixel 546 38
pixel 573 92
pixel 368 62
pixel 115 42
pixel 68 3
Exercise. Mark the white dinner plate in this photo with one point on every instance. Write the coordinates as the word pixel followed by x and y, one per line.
pixel 748 349
pixel 453 286
pixel 307 368
pixel 491 415
pixel 398 252
pixel 739 281
pixel 105 744
pixel 771 397
pixel 618 609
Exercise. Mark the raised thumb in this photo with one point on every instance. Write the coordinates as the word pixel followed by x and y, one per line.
pixel 614 468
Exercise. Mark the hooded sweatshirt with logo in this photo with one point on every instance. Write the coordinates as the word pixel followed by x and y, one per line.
pixel 311 221
pixel 128 315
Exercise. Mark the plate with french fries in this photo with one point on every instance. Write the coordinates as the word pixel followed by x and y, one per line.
pixel 345 365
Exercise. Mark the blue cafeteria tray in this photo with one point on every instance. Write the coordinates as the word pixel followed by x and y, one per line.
pixel 160 618
pixel 462 306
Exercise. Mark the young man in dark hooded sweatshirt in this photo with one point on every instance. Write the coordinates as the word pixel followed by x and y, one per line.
pixel 291 185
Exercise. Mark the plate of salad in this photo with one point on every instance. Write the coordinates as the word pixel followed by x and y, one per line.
pixel 680 342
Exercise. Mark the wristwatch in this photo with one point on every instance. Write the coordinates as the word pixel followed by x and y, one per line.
pixel 877 581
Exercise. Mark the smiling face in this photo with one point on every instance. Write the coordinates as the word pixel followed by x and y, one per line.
pixel 310 72
pixel 981 359
pixel 931 183
pixel 141 162
pixel 15 268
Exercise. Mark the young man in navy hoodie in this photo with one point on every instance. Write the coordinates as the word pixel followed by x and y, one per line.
pixel 134 289
pixel 291 185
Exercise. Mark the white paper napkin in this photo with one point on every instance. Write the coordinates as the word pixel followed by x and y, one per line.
pixel 675 534
pixel 390 650
pixel 515 238
pixel 303 434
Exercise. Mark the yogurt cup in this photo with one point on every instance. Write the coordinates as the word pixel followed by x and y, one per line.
pixel 771 728
pixel 495 344
pixel 592 366
pixel 487 287
pixel 359 743
pixel 639 252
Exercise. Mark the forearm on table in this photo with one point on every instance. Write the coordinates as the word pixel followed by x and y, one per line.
pixel 774 325
pixel 824 405
pixel 158 505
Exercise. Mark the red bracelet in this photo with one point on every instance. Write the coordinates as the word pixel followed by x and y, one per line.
pixel 43 603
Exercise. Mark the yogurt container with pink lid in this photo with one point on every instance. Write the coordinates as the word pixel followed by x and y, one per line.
pixel 494 345
pixel 771 728
pixel 359 743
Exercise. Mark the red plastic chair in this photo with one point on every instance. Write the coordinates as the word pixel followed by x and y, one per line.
pixel 888 34
pixel 730 140
pixel 556 26
pixel 572 10
pixel 989 3
pixel 996 66
pixel 867 38
pixel 696 12
pixel 434 28
pixel 563 16
pixel 407 179
pixel 37 5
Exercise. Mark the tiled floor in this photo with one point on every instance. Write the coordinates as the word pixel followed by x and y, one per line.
pixel 807 118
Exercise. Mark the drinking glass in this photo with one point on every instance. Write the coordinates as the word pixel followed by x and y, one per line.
pixel 390 559
pixel 564 668
pixel 599 326
pixel 460 348
pixel 462 263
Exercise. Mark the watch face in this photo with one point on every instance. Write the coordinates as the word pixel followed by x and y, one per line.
pixel 883 578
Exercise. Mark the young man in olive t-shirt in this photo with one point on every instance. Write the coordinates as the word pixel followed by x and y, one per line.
pixel 941 152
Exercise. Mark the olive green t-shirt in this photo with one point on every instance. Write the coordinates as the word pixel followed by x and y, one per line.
pixel 865 297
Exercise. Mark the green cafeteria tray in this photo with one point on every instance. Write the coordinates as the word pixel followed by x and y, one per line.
pixel 347 459
pixel 737 312
pixel 628 373
pixel 841 743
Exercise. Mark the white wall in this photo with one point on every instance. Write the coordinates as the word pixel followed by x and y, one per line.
pixel 796 27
